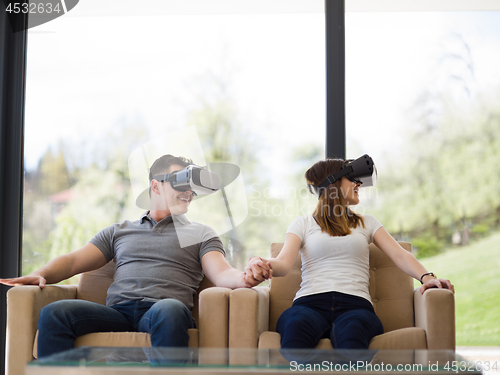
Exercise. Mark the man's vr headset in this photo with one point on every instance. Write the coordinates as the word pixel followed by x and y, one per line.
pixel 361 171
pixel 197 179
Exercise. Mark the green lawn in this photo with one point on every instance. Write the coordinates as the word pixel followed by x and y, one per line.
pixel 475 272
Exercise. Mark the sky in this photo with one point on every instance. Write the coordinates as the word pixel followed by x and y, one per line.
pixel 393 57
pixel 82 79
pixel 85 74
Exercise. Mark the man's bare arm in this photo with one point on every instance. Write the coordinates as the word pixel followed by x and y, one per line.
pixel 222 274
pixel 85 259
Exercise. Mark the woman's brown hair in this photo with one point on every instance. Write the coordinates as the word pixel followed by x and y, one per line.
pixel 332 212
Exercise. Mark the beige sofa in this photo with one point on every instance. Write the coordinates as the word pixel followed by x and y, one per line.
pixel 25 302
pixel 411 320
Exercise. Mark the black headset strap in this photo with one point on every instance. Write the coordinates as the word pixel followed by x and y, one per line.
pixel 335 177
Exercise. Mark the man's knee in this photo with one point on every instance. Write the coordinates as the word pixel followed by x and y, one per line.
pixel 172 312
pixel 168 321
pixel 55 311
pixel 171 306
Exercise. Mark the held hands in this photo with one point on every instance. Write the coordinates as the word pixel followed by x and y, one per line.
pixel 256 271
pixel 436 283
pixel 25 280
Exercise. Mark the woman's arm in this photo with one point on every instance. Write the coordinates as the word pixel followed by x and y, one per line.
pixel 406 262
pixel 282 264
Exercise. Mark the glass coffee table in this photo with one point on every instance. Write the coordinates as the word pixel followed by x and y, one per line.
pixel 131 361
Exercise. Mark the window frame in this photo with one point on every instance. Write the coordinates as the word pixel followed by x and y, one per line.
pixel 13 81
pixel 13 45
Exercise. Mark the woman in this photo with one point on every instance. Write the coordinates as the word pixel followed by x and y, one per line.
pixel 333 300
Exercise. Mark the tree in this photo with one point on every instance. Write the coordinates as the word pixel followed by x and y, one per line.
pixel 52 173
pixel 224 139
pixel 447 173
pixel 100 193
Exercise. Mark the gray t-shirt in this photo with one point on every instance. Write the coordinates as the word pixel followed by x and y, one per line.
pixel 150 263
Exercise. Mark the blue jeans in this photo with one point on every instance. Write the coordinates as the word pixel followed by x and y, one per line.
pixel 349 321
pixel 61 322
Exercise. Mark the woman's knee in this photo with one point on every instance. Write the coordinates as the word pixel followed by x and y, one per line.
pixel 355 329
pixel 301 327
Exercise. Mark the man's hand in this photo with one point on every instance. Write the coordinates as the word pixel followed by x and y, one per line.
pixel 25 280
pixel 257 270
pixel 437 283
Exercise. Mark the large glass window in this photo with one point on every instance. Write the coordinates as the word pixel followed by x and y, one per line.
pixel 242 88
pixel 422 98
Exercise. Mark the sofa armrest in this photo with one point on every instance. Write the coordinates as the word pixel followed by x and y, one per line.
pixel 435 313
pixel 23 308
pixel 214 317
pixel 248 316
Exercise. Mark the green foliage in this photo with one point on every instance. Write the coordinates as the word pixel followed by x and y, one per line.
pixel 475 272
pixel 225 139
pixel 53 173
pixel 481 228
pixel 96 204
pixel 55 224
pixel 427 246
pixel 448 171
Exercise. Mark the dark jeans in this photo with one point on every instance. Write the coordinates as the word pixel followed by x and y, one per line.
pixel 349 321
pixel 61 322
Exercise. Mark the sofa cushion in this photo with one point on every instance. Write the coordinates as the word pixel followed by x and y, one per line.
pixel 120 339
pixel 269 340
pixel 391 290
pixel 405 338
pixel 401 339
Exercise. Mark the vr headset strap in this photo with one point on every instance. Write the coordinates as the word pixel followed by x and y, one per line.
pixel 167 177
pixel 335 177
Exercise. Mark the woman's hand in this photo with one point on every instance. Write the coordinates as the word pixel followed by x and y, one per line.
pixel 25 280
pixel 257 270
pixel 437 283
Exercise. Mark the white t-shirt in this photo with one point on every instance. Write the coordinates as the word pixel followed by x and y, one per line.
pixel 334 263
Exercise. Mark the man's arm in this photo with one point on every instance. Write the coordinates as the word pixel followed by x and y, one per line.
pixel 85 259
pixel 222 274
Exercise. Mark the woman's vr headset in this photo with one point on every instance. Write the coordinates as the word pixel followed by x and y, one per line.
pixel 361 171
pixel 197 179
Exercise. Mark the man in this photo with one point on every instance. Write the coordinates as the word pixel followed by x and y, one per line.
pixel 155 277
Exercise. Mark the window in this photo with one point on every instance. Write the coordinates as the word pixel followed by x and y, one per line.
pixel 422 100
pixel 236 88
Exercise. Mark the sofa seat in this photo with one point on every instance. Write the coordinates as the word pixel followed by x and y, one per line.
pixel 120 339
pixel 404 338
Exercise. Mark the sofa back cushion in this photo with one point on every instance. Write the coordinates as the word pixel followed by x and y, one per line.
pixel 93 286
pixel 391 290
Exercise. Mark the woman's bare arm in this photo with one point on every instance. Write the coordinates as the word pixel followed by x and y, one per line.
pixel 406 262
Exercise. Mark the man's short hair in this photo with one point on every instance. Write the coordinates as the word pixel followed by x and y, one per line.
pixel 163 163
